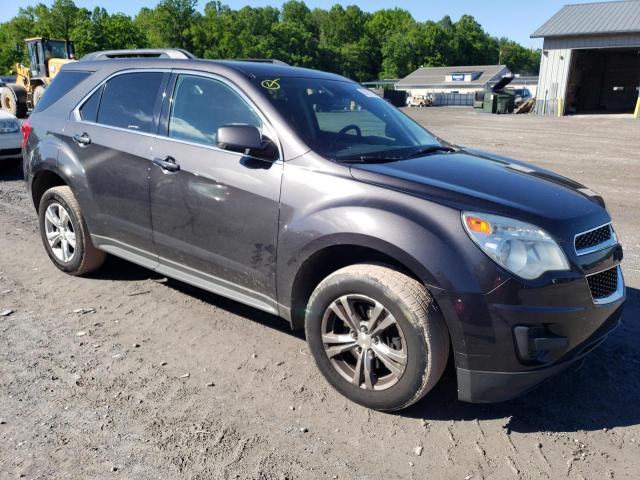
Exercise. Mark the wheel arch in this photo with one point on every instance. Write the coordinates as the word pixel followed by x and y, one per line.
pixel 333 255
pixel 43 181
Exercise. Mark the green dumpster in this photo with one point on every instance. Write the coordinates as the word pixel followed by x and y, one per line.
pixel 490 102
pixel 497 99
pixel 505 103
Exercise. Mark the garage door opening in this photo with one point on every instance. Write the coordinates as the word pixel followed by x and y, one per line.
pixel 604 81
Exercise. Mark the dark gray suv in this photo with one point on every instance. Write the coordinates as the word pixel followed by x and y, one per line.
pixel 303 194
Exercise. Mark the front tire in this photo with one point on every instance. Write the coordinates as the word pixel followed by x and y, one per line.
pixel 377 336
pixel 65 235
pixel 37 94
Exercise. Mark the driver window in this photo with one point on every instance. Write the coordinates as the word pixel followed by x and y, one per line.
pixel 201 105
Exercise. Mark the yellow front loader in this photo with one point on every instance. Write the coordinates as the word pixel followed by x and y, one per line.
pixel 46 57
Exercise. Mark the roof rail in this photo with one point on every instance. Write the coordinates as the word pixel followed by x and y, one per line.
pixel 258 60
pixel 140 53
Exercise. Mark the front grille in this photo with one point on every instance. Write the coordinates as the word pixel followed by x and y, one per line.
pixel 603 284
pixel 10 151
pixel 593 238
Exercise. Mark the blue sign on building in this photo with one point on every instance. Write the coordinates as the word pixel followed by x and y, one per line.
pixel 457 77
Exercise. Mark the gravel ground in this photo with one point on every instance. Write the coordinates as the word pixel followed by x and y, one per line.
pixel 126 374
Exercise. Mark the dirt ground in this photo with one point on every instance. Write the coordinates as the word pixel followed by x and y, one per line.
pixel 156 379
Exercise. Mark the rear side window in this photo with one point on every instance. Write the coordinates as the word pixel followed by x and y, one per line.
pixel 129 100
pixel 89 109
pixel 60 86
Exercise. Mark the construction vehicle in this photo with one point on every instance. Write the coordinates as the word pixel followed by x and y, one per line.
pixel 46 57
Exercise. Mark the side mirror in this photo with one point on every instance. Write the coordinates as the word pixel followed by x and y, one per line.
pixel 239 138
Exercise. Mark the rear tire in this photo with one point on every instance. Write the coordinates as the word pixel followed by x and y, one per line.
pixel 12 104
pixel 65 234
pixel 396 350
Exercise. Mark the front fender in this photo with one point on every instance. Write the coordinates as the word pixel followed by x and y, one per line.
pixel 325 207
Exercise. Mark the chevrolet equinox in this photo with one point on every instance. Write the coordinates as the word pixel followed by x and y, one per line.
pixel 304 195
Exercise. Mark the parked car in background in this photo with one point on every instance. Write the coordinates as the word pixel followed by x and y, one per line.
pixel 419 101
pixel 521 95
pixel 10 137
pixel 389 246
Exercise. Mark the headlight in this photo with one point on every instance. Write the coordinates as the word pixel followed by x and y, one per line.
pixel 9 126
pixel 523 249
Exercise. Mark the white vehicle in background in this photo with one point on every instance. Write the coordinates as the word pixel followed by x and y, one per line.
pixel 419 101
pixel 10 137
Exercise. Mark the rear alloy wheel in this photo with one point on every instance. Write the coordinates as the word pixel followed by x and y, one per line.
pixel 377 336
pixel 65 235
pixel 60 232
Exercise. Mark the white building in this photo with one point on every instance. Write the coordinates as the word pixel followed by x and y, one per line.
pixel 451 85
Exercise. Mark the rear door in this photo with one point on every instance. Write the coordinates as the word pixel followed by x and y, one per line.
pixel 112 135
pixel 215 219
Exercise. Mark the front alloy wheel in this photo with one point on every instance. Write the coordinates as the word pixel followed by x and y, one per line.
pixel 377 336
pixel 364 342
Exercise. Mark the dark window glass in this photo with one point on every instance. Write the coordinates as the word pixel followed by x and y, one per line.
pixel 342 120
pixel 61 85
pixel 128 101
pixel 89 109
pixel 202 105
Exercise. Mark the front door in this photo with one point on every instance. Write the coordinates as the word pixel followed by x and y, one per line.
pixel 215 219
pixel 112 137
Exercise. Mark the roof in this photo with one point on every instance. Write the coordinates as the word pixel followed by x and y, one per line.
pixel 592 19
pixel 138 53
pixel 525 80
pixel 437 76
pixel 45 38
pixel 247 68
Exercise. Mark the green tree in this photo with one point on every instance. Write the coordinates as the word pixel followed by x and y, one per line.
pixel 169 24
pixel 345 40
pixel 518 58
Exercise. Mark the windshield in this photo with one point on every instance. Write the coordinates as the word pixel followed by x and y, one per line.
pixel 55 49
pixel 342 120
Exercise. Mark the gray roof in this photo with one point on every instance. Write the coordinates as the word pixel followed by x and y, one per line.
pixel 593 18
pixel 436 76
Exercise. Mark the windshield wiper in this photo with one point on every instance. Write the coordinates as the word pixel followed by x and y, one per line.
pixel 370 159
pixel 381 158
pixel 426 150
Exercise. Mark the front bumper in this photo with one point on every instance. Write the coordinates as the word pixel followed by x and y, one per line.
pixel 511 339
pixel 10 154
pixel 10 146
pixel 477 386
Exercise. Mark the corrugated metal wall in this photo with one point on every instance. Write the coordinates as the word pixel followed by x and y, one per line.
pixel 552 84
pixel 556 65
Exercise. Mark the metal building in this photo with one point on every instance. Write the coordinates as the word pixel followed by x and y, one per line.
pixel 590 59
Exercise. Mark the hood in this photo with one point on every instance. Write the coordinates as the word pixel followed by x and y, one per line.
pixel 476 181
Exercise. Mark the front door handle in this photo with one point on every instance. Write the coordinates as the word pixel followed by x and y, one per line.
pixel 167 163
pixel 82 140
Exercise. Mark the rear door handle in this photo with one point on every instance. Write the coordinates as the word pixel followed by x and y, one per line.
pixel 82 140
pixel 167 163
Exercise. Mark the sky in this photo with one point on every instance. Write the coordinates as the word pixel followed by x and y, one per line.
pixel 515 19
